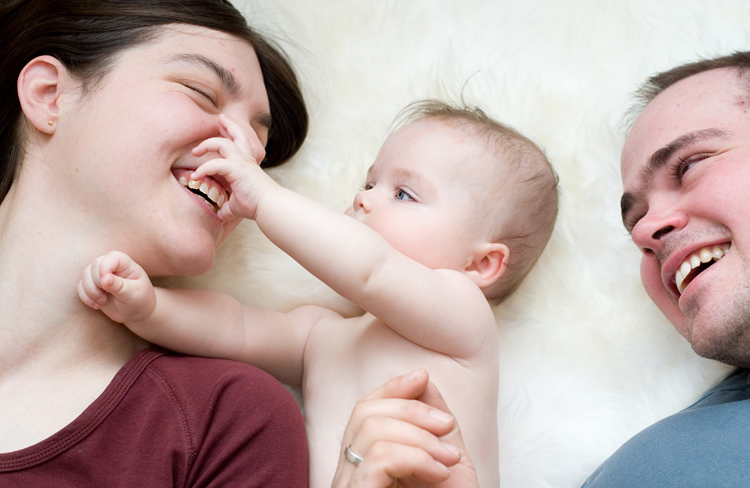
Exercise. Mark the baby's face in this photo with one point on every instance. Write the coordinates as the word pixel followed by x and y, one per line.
pixel 421 193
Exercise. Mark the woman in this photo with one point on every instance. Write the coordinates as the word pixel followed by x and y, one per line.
pixel 111 98
pixel 102 102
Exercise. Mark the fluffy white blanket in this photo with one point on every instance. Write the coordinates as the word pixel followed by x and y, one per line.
pixel 586 360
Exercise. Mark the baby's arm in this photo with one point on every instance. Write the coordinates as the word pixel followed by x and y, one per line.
pixel 198 322
pixel 439 309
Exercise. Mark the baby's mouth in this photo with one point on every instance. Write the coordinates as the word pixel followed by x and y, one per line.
pixel 697 262
pixel 208 189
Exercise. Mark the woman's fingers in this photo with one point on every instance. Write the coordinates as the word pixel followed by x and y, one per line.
pixel 402 394
pixel 397 430
pixel 389 461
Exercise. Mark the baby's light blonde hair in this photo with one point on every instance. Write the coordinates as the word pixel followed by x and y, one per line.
pixel 520 204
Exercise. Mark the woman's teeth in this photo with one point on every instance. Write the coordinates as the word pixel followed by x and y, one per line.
pixel 208 189
pixel 695 260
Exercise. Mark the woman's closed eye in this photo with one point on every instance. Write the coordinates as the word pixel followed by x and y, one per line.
pixel 202 92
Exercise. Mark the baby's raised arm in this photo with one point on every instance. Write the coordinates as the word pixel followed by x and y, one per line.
pixel 439 309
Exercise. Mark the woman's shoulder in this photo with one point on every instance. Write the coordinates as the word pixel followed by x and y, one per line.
pixel 210 381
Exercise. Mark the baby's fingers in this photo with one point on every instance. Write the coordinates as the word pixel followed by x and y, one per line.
pixel 236 134
pixel 89 292
pixel 225 148
pixel 231 169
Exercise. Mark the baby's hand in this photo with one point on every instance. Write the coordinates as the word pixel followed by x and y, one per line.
pixel 238 167
pixel 119 287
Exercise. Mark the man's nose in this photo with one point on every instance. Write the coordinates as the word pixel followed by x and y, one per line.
pixel 659 222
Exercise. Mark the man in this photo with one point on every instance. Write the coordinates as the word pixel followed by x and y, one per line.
pixel 686 203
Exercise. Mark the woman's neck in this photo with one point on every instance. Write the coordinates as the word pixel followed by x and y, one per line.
pixel 44 322
pixel 56 354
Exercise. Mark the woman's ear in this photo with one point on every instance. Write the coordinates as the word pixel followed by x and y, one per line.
pixel 489 264
pixel 40 85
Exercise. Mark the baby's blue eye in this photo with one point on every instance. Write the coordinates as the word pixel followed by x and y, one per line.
pixel 402 195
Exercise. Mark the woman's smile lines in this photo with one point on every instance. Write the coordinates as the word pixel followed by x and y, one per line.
pixel 698 261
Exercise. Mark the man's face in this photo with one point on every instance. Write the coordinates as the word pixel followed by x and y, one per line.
pixel 686 176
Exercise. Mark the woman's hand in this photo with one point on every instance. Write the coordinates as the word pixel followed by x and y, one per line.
pixel 405 436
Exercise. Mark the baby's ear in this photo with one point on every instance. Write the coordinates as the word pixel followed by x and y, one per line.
pixel 489 264
pixel 39 90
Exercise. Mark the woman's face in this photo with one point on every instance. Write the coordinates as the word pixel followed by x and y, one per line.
pixel 123 146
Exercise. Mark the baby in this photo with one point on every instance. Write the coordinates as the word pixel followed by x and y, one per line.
pixel 455 211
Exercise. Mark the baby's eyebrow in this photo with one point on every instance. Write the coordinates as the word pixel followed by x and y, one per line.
pixel 228 80
pixel 419 178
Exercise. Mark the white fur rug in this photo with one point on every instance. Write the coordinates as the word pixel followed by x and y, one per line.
pixel 586 360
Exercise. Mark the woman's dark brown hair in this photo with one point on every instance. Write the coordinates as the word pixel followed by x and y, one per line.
pixel 86 35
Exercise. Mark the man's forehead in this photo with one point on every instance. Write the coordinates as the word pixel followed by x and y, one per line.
pixel 684 107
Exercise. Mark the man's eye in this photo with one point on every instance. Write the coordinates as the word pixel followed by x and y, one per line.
pixel 682 165
pixel 402 195
pixel 630 223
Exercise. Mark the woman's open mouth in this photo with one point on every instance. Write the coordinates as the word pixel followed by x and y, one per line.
pixel 210 190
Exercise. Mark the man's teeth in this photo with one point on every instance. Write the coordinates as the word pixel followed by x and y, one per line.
pixel 695 260
pixel 210 192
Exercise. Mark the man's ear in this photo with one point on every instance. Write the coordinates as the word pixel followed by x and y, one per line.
pixel 40 85
pixel 489 264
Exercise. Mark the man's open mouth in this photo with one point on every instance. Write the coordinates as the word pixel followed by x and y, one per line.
pixel 697 262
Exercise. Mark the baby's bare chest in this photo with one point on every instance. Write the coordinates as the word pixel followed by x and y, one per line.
pixel 347 359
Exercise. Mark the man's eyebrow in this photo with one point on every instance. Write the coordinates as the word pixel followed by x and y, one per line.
pixel 227 79
pixel 659 158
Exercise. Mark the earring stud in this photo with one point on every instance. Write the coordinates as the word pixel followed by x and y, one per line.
pixel 49 122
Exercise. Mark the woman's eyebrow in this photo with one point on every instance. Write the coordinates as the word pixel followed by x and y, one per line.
pixel 227 79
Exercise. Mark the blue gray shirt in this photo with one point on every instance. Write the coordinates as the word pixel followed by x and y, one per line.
pixel 705 445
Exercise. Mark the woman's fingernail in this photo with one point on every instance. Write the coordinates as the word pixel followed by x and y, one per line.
pixel 440 415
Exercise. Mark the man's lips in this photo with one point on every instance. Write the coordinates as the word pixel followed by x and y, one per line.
pixel 697 262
